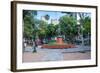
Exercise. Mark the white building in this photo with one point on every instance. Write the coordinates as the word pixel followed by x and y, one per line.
pixel 54 21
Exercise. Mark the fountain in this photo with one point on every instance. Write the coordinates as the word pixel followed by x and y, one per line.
pixel 59 40
pixel 59 44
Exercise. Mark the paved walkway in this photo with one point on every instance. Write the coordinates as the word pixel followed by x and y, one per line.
pixel 53 55
pixel 77 49
pixel 44 54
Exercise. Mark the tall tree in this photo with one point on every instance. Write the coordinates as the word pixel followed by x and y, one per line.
pixel 28 22
pixel 68 27
pixel 84 23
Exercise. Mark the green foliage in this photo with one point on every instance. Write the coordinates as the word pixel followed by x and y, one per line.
pixel 51 30
pixel 87 25
pixel 28 26
pixel 68 20
pixel 52 42
pixel 29 13
pixel 68 26
pixel 28 21
pixel 85 21
pixel 42 28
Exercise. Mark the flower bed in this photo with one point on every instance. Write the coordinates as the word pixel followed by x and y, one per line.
pixel 58 46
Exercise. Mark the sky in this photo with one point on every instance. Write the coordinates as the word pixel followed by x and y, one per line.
pixel 52 14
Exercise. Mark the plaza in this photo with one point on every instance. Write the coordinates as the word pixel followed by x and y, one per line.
pixel 44 54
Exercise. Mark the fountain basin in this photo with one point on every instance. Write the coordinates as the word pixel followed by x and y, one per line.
pixel 58 46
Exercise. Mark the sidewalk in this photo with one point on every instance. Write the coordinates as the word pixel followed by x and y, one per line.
pixel 44 54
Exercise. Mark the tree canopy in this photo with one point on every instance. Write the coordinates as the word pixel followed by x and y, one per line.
pixel 67 25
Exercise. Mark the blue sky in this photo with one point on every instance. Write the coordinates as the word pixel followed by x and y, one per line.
pixel 52 14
